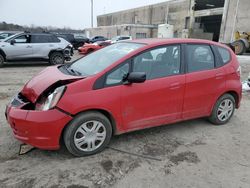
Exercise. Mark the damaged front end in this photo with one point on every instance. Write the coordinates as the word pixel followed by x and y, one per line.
pixel 68 52
pixel 37 121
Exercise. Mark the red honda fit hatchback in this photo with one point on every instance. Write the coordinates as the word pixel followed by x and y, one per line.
pixel 125 87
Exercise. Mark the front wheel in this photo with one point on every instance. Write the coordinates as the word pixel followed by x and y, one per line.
pixel 223 110
pixel 56 58
pixel 1 61
pixel 88 134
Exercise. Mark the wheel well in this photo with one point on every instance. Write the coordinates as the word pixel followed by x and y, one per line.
pixel 235 96
pixel 52 51
pixel 3 54
pixel 103 112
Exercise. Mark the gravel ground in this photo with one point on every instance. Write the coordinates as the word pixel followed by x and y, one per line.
pixel 188 154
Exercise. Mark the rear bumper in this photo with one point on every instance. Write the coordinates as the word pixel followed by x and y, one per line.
pixel 41 129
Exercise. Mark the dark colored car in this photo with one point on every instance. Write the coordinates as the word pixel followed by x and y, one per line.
pixel 124 87
pixel 97 38
pixel 75 41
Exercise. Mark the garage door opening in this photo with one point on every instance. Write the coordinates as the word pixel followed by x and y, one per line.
pixel 208 18
pixel 210 24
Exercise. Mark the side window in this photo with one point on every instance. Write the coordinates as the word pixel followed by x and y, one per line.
pixel 124 38
pixel 40 39
pixel 225 55
pixel 117 76
pixel 199 57
pixel 23 39
pixel 53 39
pixel 158 62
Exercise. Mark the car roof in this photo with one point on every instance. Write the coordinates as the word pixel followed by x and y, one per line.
pixel 162 41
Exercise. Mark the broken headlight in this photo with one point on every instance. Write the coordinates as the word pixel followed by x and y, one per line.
pixel 49 102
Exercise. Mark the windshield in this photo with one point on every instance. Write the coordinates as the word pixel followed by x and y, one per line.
pixel 101 59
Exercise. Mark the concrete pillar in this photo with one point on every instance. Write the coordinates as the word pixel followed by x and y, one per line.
pixel 192 17
pixel 224 20
pixel 235 19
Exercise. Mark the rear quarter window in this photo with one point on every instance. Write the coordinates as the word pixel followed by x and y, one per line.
pixel 225 55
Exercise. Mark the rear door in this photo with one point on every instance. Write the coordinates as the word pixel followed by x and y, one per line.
pixel 204 81
pixel 42 44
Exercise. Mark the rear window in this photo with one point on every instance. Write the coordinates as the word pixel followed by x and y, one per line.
pixel 225 55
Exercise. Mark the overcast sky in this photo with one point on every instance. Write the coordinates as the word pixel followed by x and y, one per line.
pixel 60 13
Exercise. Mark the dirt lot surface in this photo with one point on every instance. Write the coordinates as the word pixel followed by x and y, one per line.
pixel 188 154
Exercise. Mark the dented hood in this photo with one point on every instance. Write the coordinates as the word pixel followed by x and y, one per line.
pixel 38 84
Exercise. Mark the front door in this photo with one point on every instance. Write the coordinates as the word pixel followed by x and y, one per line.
pixel 159 99
pixel 21 49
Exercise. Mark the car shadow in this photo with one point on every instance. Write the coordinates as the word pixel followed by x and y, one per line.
pixel 26 64
pixel 131 140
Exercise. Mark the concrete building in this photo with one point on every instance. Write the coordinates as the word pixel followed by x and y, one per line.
pixel 209 19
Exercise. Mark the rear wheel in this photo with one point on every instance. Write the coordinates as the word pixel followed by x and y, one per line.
pixel 87 134
pixel 239 47
pixel 223 110
pixel 56 58
pixel 1 60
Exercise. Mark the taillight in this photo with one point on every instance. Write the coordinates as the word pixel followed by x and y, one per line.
pixel 239 71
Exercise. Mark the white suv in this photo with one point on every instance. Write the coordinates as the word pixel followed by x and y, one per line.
pixel 35 46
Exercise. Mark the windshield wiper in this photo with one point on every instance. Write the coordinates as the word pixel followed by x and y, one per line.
pixel 70 70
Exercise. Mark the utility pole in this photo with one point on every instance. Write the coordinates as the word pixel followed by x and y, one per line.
pixel 92 16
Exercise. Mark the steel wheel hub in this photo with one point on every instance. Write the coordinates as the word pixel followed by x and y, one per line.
pixel 225 110
pixel 90 136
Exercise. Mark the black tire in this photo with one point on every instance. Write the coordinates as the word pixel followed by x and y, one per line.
pixel 56 58
pixel 239 47
pixel 214 117
pixel 90 51
pixel 71 132
pixel 1 60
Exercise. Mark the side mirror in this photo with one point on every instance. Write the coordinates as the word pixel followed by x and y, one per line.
pixel 12 42
pixel 136 77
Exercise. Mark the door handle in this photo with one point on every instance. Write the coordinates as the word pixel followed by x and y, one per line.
pixel 29 46
pixel 175 86
pixel 219 76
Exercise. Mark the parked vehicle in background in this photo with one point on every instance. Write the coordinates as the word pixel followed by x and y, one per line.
pixel 119 38
pixel 97 38
pixel 241 43
pixel 75 41
pixel 88 48
pixel 70 46
pixel 34 46
pixel 4 35
pixel 124 87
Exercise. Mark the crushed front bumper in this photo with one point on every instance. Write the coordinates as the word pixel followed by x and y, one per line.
pixel 68 52
pixel 41 129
